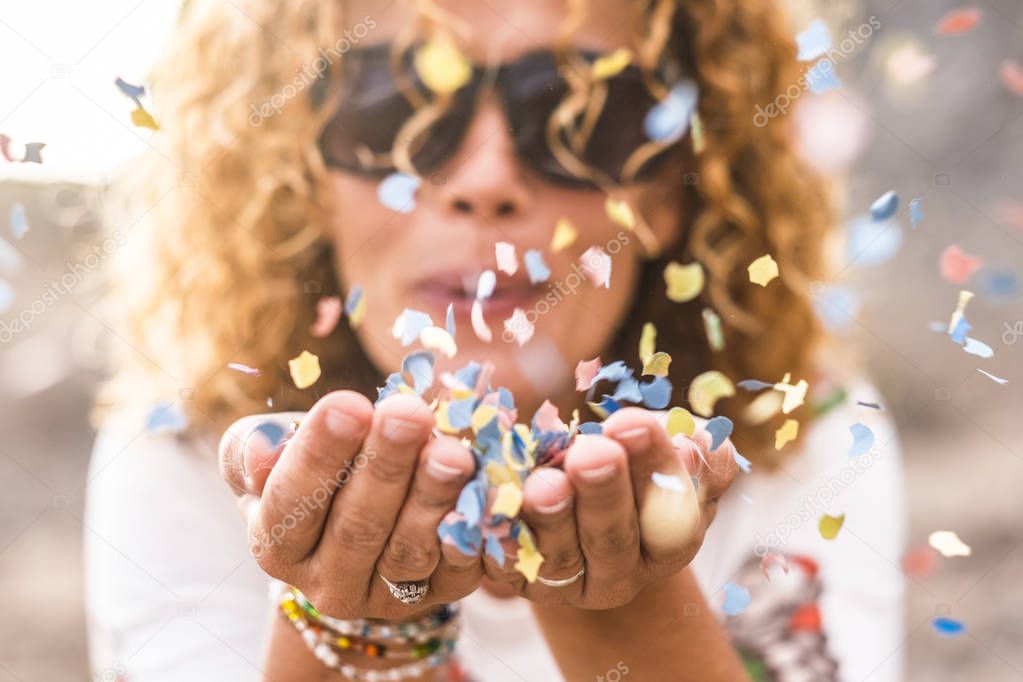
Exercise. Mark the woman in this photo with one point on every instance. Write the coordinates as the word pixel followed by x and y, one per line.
pixel 319 149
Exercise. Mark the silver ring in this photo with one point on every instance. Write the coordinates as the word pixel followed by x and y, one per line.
pixel 409 592
pixel 561 583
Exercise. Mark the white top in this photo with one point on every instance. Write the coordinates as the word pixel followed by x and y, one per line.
pixel 172 593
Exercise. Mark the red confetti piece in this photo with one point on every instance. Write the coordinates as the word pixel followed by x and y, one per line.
pixel 1012 76
pixel 806 619
pixel 328 314
pixel 957 266
pixel 958 21
pixel 920 561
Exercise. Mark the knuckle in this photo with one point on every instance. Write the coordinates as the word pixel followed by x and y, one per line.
pixel 563 561
pixel 361 532
pixel 611 543
pixel 389 467
pixel 416 559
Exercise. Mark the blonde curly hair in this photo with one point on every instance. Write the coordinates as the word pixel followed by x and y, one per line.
pixel 226 260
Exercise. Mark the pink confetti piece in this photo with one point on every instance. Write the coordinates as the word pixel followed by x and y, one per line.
pixel 479 325
pixel 244 369
pixel 1012 76
pixel 597 266
pixel 957 266
pixel 518 327
pixel 328 314
pixel 585 371
pixel 507 261
pixel 772 559
pixel 958 21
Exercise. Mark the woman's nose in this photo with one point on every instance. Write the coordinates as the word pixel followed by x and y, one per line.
pixel 484 177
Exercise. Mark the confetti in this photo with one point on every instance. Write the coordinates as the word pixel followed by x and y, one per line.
pixel 920 561
pixel 508 500
pixel 442 66
pixel 449 320
pixel 873 406
pixel 670 119
pixel 610 65
pixel 656 394
pixel 597 266
pixel 742 462
pixel 699 139
pixel 166 417
pixel 398 192
pixel 958 315
pixel 958 21
pixel 143 119
pixel 869 242
pixel 409 325
pixel 585 373
pixel 620 213
pixel 328 314
pixel 29 153
pixel 795 394
pixel 244 369
pixel 304 369
pixel 536 267
pixel 485 285
pixel 885 206
pixel 706 389
pixel 770 560
pixel 647 342
pixel 10 259
pixel 863 440
pixel 668 482
pixel 1011 74
pixel 948 543
pixel 957 266
pixel 754 385
pixel 419 365
pixel 528 563
pixel 737 599
pixel 564 235
pixel 479 325
pixel 909 63
pixel 657 365
pixel 830 525
pixel 786 434
pixel 139 116
pixel 438 339
pixel 684 282
pixel 712 328
pixel 947 627
pixel 355 307
pixel 992 377
pixel 719 428
pixel 680 421
pixel 978 348
pixel 19 221
pixel 128 90
pixel 813 42
pixel 506 259
pixel 916 212
pixel 763 270
pixel 821 77
pixel 519 327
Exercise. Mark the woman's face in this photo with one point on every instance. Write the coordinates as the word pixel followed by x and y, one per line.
pixel 482 195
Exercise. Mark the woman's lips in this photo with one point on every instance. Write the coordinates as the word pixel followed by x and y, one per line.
pixel 436 293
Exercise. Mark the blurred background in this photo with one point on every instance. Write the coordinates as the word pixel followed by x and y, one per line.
pixel 922 109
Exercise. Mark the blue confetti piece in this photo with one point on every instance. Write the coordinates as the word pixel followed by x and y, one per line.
pixel 753 385
pixel 720 428
pixel 628 390
pixel 166 417
pixel 460 412
pixel 668 121
pixel 390 387
pixel 469 375
pixel 19 221
pixel 978 348
pixel 885 207
pixel 419 365
pixel 863 439
pixel 609 405
pixel 33 152
pixel 485 287
pixel 814 41
pixel 467 539
pixel 352 302
pixel 744 464
pixel 591 428
pixel 948 627
pixel 128 90
pixel 536 267
pixel 398 192
pixel 449 321
pixel 6 296
pixel 960 331
pixel 916 212
pixel 495 550
pixel 869 242
pixel 736 599
pixel 274 433
pixel 656 394
pixel 821 77
pixel 616 371
pixel 838 307
pixel 471 501
pixel 1000 283
pixel 415 323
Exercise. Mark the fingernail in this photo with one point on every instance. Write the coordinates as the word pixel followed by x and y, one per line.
pixel 341 424
pixel 259 446
pixel 400 430
pixel 557 506
pixel 637 438
pixel 598 474
pixel 442 472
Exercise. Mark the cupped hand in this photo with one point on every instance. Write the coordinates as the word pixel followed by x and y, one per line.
pixel 355 494
pixel 603 514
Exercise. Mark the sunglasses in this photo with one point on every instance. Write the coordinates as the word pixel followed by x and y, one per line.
pixel 379 95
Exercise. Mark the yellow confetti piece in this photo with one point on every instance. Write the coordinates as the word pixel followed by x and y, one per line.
pixel 620 213
pixel 795 395
pixel 712 327
pixel 830 525
pixel 680 421
pixel 498 474
pixel 657 365
pixel 482 416
pixel 440 418
pixel 143 119
pixel 786 434
pixel 948 543
pixel 442 66
pixel 438 339
pixel 964 300
pixel 763 407
pixel 356 317
pixel 647 342
pixel 508 500
pixel 564 235
pixel 696 131
pixel 707 389
pixel 763 270
pixel 305 369
pixel 612 64
pixel 685 282
pixel 528 563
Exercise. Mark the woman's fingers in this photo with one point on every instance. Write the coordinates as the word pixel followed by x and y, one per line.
pixel 720 470
pixel 605 514
pixel 250 447
pixel 413 549
pixel 547 508
pixel 669 509
pixel 312 467
pixel 362 517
